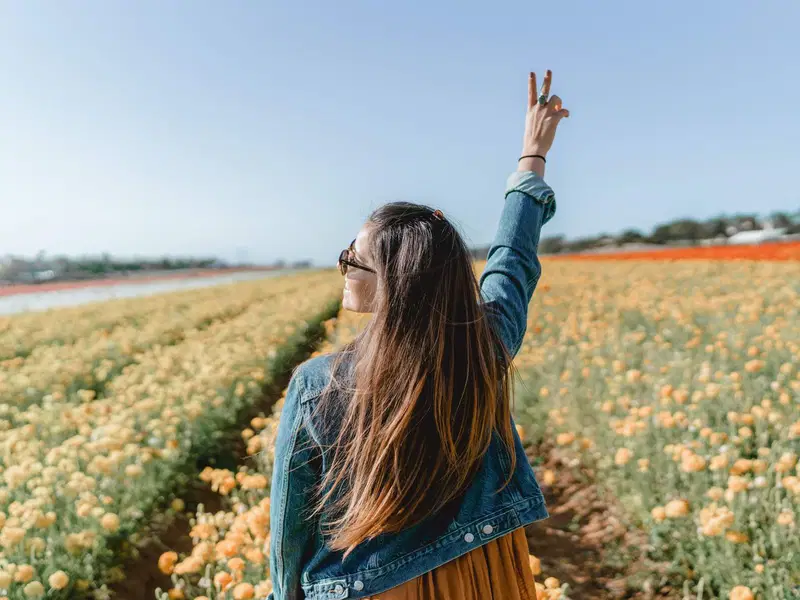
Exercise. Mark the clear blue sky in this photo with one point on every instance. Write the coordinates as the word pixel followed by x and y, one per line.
pixel 191 127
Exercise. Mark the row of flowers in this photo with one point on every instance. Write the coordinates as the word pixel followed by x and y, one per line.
pixel 79 482
pixel 680 385
pixel 54 372
pixel 23 333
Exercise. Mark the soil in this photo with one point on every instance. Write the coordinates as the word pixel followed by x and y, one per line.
pixel 587 542
pixel 142 574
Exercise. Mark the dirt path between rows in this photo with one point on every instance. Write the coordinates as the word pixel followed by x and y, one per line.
pixel 586 542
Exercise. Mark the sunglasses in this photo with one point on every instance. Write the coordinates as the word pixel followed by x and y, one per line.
pixel 346 261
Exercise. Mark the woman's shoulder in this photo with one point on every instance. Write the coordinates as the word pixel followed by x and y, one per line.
pixel 315 373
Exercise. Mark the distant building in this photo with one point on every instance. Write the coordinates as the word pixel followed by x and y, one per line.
pixel 756 236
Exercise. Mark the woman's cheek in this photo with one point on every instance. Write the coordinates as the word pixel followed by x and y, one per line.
pixel 362 295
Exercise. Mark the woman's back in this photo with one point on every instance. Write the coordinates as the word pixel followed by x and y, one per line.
pixel 399 455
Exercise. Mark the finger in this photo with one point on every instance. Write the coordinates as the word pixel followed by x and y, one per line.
pixel 554 103
pixel 548 79
pixel 531 90
pixel 563 113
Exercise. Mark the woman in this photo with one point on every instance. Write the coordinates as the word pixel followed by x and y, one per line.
pixel 398 472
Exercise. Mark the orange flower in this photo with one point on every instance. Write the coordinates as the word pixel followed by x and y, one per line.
pixel 243 591
pixel 236 564
pixel 191 564
pixel 741 592
pixel 254 555
pixel 676 509
pixel 166 562
pixel 736 537
pixel 226 549
pixel 564 439
pixel 535 564
pixel 622 457
pixel 203 531
pixel 222 580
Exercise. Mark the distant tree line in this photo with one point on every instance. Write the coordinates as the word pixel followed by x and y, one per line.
pixel 106 264
pixel 679 231
pixel 61 268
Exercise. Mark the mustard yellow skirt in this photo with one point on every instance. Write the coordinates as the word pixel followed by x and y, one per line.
pixel 498 570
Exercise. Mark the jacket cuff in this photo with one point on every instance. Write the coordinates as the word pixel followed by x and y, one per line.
pixel 531 184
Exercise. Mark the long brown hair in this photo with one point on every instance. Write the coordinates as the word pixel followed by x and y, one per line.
pixel 428 384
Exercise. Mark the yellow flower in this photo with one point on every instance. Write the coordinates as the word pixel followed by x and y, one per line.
pixel 659 513
pixel 34 590
pixel 548 477
pixel 551 583
pixel 741 592
pixel 786 518
pixel 692 463
pixel 564 439
pixel 254 482
pixel 177 505
pixel 176 594
pixel 11 536
pixel 110 522
pixel 58 580
pixel 741 466
pixel 737 484
pixel 622 457
pixel 718 462
pixel 676 509
pixel 134 470
pixel 5 579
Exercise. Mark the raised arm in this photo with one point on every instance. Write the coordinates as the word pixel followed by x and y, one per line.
pixel 513 268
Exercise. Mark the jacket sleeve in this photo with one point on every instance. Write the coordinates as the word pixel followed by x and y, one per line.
pixel 513 268
pixel 295 472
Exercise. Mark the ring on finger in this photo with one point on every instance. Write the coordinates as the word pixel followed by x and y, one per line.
pixel 542 99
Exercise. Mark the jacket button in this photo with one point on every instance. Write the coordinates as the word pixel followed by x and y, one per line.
pixel 487 529
pixel 469 537
pixel 358 585
pixel 338 589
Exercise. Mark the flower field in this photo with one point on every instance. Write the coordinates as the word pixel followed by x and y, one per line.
pixel 679 384
pixel 676 383
pixel 776 251
pixel 82 470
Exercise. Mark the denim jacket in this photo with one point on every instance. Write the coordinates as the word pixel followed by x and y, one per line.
pixel 301 565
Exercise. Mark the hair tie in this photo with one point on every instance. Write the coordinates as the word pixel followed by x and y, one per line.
pixel 437 214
